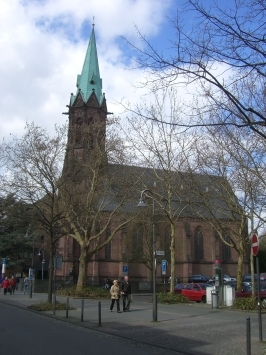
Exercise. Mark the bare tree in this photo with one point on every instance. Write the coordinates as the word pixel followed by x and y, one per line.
pixel 98 194
pixel 168 154
pixel 237 160
pixel 33 165
pixel 219 58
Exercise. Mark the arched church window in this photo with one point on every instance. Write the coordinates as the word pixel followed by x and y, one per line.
pixel 167 244
pixel 198 244
pixel 78 134
pixel 226 249
pixel 108 245
pixel 137 243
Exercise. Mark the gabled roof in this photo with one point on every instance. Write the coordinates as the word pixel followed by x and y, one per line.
pixel 89 80
pixel 190 201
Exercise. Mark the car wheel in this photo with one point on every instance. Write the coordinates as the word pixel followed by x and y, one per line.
pixel 204 299
pixel 198 301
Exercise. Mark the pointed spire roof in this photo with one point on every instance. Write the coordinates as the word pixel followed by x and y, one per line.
pixel 89 80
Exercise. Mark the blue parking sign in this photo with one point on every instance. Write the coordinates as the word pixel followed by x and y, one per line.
pixel 125 269
pixel 164 267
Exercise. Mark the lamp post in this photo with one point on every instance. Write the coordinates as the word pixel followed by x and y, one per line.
pixel 41 253
pixel 154 297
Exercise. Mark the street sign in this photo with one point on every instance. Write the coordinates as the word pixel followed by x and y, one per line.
pixel 160 252
pixel 125 269
pixel 255 245
pixel 31 273
pixel 164 267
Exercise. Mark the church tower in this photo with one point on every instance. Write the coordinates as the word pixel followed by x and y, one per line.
pixel 87 114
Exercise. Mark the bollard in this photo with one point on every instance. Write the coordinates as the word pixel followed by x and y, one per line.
pixel 99 314
pixel 54 303
pixel 155 303
pixel 82 309
pixel 67 306
pixel 30 289
pixel 248 337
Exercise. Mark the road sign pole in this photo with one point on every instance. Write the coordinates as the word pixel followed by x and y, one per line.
pixel 259 298
pixel 255 250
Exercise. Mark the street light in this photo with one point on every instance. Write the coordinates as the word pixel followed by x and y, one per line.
pixel 154 297
pixel 41 253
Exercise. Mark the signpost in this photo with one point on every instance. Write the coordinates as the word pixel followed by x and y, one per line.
pixel 255 245
pixel 164 269
pixel 255 250
pixel 159 252
pixel 125 270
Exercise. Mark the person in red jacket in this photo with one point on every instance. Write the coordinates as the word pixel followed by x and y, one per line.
pixel 5 285
pixel 12 285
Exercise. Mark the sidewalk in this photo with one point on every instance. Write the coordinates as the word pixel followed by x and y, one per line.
pixel 189 329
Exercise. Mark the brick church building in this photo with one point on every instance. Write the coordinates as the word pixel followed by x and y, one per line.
pixel 197 244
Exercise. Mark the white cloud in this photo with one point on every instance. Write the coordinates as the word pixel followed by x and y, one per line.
pixel 43 46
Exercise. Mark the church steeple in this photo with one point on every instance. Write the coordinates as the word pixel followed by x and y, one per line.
pixel 87 114
pixel 89 80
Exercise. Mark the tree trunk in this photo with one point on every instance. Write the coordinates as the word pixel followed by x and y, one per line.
pixel 83 265
pixel 51 274
pixel 240 266
pixel 172 250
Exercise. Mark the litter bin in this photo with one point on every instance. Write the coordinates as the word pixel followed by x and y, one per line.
pixel 215 299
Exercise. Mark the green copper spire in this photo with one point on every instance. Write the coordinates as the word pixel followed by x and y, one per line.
pixel 89 79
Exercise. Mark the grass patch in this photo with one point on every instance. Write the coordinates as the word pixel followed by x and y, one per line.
pixel 170 298
pixel 247 304
pixel 86 292
pixel 46 306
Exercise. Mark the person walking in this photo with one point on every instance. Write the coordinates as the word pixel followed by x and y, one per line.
pixel 5 285
pixel 126 294
pixel 115 296
pixel 26 285
pixel 13 283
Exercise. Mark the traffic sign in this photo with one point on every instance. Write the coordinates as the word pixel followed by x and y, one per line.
pixel 164 267
pixel 124 269
pixel 160 252
pixel 255 245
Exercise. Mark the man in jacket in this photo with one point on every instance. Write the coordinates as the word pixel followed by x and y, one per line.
pixel 126 294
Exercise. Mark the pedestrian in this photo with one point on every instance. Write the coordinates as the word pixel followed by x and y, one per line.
pixel 115 296
pixel 107 284
pixel 26 285
pixel 13 283
pixel 126 294
pixel 5 285
pixel 17 282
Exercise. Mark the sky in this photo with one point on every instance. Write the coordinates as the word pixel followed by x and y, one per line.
pixel 43 45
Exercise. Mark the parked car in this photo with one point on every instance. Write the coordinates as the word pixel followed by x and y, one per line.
pixel 195 291
pixel 247 277
pixel 247 292
pixel 227 279
pixel 263 276
pixel 199 278
pixel 179 287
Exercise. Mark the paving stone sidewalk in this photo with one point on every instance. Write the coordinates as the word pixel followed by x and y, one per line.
pixel 188 329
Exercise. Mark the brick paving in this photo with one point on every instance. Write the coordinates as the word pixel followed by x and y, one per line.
pixel 187 329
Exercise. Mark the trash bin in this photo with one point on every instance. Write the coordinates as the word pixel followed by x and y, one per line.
pixel 215 299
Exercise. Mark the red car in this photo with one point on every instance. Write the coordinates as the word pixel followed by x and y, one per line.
pixel 195 292
pixel 247 292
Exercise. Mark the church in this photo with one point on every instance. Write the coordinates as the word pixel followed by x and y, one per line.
pixel 197 245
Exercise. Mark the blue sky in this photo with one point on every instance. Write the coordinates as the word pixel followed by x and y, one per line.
pixel 43 45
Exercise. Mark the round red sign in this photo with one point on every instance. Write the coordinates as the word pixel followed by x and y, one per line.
pixel 255 245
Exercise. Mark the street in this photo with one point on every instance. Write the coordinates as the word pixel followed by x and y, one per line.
pixel 28 333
